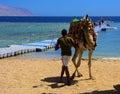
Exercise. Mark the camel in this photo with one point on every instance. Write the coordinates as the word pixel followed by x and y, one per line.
pixel 85 40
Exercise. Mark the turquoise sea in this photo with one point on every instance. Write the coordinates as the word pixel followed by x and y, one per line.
pixel 19 32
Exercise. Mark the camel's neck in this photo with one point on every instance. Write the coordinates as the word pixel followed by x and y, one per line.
pixel 89 38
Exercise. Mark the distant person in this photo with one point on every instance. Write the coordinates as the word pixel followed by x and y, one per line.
pixel 94 24
pixel 65 43
pixel 102 21
pixel 99 23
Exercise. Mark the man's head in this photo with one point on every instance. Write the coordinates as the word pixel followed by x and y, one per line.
pixel 64 32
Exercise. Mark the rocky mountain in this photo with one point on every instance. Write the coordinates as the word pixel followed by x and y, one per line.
pixel 12 11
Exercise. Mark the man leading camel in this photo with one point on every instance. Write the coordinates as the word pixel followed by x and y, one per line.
pixel 65 43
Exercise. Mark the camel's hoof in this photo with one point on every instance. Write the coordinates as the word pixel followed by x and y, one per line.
pixel 80 75
pixel 92 78
pixel 73 76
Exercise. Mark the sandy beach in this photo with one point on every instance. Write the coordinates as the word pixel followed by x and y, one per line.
pixel 42 77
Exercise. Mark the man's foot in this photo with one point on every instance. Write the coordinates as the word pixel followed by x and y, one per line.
pixel 68 83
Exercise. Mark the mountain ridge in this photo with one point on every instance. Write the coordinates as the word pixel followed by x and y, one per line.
pixel 14 11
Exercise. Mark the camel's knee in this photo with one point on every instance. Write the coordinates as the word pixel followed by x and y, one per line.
pixel 78 65
pixel 74 57
pixel 89 64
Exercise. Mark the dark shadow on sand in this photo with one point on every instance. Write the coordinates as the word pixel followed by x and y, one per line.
pixel 115 91
pixel 56 82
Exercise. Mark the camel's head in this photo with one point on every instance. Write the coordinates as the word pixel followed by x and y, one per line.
pixel 87 29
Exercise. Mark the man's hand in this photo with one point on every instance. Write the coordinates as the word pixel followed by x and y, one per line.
pixel 56 47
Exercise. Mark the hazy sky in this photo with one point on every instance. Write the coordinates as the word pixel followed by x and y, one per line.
pixel 68 7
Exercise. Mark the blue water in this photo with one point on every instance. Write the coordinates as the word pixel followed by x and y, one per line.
pixel 27 32
pixel 108 43
pixel 18 33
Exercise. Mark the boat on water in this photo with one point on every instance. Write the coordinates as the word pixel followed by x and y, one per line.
pixel 103 27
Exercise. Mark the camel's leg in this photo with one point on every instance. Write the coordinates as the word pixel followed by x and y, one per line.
pixel 75 56
pixel 74 61
pixel 79 62
pixel 89 63
pixel 77 52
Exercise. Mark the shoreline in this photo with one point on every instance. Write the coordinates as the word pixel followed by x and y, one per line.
pixel 41 77
pixel 36 56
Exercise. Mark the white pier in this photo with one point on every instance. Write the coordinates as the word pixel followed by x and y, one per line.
pixel 14 50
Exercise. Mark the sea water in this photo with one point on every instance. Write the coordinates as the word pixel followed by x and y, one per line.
pixel 18 33
pixel 108 42
pixel 108 47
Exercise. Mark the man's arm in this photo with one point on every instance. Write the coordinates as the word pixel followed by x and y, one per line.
pixel 57 46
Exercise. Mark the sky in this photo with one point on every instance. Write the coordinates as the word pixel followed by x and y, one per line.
pixel 67 7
